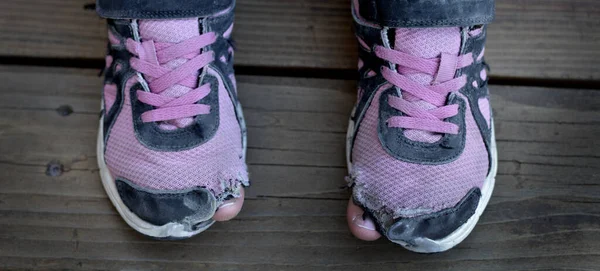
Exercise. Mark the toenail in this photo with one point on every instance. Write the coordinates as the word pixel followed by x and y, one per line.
pixel 227 204
pixel 366 224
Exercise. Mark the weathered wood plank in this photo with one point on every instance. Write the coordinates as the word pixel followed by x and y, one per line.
pixel 539 263
pixel 304 228
pixel 250 254
pixel 529 39
pixel 544 214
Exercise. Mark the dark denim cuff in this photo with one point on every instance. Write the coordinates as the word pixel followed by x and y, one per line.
pixel 160 9
pixel 425 13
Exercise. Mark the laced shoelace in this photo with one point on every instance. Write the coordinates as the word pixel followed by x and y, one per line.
pixel 150 59
pixel 443 69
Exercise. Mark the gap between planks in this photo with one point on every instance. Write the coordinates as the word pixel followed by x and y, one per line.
pixel 540 39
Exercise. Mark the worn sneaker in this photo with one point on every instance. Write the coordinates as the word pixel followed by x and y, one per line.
pixel 420 146
pixel 172 139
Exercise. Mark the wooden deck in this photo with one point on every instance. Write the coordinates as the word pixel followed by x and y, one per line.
pixel 297 91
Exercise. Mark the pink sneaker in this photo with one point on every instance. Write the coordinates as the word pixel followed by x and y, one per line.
pixel 421 148
pixel 172 139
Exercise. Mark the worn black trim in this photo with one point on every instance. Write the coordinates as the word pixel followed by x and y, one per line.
pixel 437 225
pixel 475 45
pixel 121 30
pixel 221 46
pixel 190 207
pixel 427 13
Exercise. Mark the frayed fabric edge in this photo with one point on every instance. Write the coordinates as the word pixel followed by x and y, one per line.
pixel 231 188
pixel 382 215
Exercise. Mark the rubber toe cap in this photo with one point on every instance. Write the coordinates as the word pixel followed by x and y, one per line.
pixel 434 226
pixel 192 207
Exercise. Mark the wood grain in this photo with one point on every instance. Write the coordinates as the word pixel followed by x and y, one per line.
pixel 544 214
pixel 543 39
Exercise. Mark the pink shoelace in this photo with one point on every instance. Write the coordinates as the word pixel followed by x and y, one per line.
pixel 443 69
pixel 150 60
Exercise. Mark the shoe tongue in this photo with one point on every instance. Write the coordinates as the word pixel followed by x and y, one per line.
pixel 425 43
pixel 171 31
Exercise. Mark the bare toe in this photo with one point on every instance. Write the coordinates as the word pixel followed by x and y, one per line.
pixel 363 229
pixel 230 208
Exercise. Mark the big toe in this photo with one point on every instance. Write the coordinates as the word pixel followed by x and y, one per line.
pixel 230 208
pixel 361 227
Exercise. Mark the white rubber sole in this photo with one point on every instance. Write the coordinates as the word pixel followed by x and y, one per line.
pixel 426 245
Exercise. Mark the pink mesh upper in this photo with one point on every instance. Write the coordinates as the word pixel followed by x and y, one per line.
pixel 110 90
pixel 169 30
pixel 113 39
pixel 414 188
pixel 426 43
pixel 227 33
pixel 384 183
pixel 108 62
pixel 110 95
pixel 215 164
pixel 484 107
pixel 483 74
